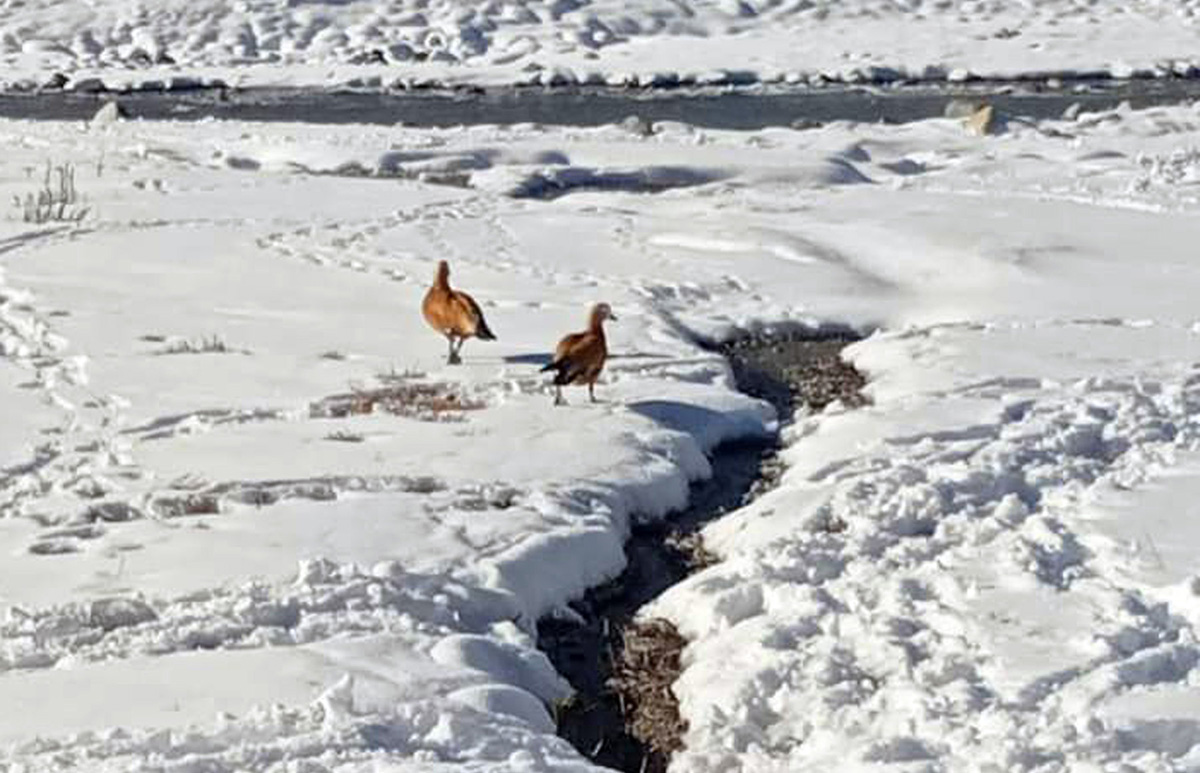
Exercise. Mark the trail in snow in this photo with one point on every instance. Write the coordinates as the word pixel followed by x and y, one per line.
pixel 79 459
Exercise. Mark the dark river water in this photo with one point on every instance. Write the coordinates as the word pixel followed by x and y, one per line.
pixel 745 108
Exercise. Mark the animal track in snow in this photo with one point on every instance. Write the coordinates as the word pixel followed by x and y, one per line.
pixel 82 455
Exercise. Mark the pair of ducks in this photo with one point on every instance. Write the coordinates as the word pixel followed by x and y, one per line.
pixel 578 358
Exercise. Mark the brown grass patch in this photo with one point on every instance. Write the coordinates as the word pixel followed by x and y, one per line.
pixel 437 401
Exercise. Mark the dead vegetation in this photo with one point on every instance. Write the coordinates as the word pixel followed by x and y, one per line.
pixel 647 665
pixel 207 345
pixel 342 436
pixel 425 401
pixel 56 200
pixel 186 505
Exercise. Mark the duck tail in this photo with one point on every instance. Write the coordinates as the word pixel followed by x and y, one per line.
pixel 483 332
pixel 564 371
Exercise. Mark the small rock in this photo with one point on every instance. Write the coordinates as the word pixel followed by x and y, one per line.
pixel 663 80
pixel 1122 70
pixel 983 121
pixel 183 83
pixel 56 81
pixel 739 78
pixel 558 77
pixel 400 52
pixel 878 74
pixel 89 86
pixel 961 108
pixel 738 8
pixel 108 114
pixel 637 125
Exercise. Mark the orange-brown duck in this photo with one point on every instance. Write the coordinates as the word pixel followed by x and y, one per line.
pixel 580 357
pixel 453 313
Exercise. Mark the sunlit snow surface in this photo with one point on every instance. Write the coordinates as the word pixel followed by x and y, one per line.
pixel 995 566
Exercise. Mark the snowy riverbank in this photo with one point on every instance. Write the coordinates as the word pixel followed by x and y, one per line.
pixel 268 43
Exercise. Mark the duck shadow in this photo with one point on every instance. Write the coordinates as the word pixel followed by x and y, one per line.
pixel 683 417
pixel 544 358
pixel 640 356
pixel 537 358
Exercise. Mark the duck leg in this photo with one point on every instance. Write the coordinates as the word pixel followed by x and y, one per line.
pixel 592 392
pixel 558 398
pixel 452 357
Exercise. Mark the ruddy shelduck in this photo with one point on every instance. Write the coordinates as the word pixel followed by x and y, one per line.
pixel 580 357
pixel 453 313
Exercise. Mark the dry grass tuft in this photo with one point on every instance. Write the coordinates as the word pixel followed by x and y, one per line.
pixel 208 345
pixel 56 200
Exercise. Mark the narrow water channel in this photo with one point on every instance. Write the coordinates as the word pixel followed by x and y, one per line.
pixel 623 715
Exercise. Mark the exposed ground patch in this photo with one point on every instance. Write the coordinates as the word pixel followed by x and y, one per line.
pixel 624 714
pixel 424 401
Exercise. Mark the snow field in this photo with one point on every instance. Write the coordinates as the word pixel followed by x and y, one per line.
pixel 989 568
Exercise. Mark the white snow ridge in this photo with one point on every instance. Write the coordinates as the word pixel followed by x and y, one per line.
pixel 252 521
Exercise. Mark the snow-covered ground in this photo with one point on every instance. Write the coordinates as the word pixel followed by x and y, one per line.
pixel 620 42
pixel 995 566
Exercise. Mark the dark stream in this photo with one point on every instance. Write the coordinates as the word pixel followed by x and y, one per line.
pixel 786 370
pixel 719 108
